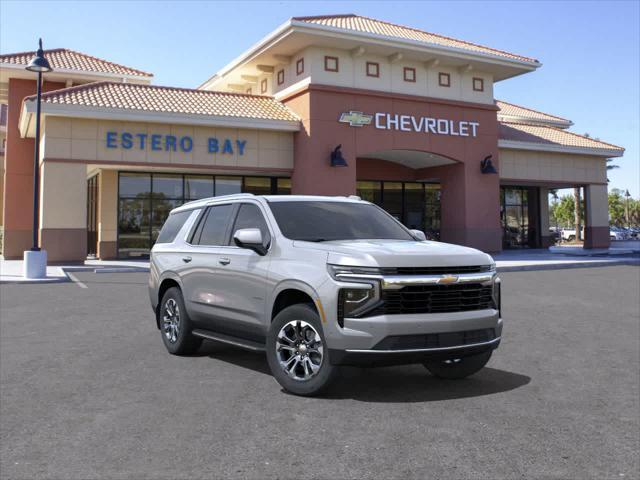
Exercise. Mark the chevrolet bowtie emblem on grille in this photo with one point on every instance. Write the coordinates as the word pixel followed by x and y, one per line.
pixel 356 119
pixel 447 279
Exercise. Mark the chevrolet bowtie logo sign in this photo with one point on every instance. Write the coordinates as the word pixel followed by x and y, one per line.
pixel 356 119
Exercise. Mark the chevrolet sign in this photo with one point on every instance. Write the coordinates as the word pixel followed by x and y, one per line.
pixel 355 119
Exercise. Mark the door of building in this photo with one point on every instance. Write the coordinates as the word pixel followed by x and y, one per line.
pixel 92 216
pixel 519 214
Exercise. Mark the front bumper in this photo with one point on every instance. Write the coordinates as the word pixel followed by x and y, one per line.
pixel 372 358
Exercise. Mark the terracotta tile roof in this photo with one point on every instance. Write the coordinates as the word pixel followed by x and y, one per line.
pixel 65 59
pixel 517 132
pixel 152 98
pixel 379 27
pixel 513 110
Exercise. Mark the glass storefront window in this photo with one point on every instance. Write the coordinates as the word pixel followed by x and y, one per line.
pixel 283 186
pixel 257 185
pixel 413 205
pixel 197 187
pixel 519 219
pixel 145 201
pixel 370 191
pixel 392 198
pixel 228 185
pixel 134 227
pixel 135 184
pixel 167 186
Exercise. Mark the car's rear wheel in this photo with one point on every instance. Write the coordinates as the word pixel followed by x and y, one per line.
pixel 175 325
pixel 297 351
pixel 456 368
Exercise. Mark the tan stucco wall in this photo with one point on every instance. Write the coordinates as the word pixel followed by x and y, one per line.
pixel 63 195
pixel 352 74
pixel 552 167
pixel 80 139
pixel 597 211
pixel 108 206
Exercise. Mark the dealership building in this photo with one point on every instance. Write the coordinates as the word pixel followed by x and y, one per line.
pixel 331 105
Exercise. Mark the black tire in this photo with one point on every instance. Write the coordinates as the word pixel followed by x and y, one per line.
pixel 182 342
pixel 458 368
pixel 318 381
pixel 571 238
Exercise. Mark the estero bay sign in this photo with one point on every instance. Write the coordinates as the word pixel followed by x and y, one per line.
pixel 411 123
pixel 171 143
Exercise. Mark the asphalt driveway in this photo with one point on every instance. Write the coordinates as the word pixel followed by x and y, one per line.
pixel 88 391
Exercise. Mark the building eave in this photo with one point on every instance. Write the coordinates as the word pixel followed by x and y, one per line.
pixel 532 121
pixel 82 73
pixel 296 26
pixel 541 147
pixel 129 115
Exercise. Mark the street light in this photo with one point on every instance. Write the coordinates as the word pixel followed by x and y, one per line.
pixel 35 260
pixel 626 208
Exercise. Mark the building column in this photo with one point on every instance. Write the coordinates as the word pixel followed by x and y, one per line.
pixel 18 173
pixel 107 214
pixel 596 216
pixel 470 206
pixel 63 211
pixel 546 240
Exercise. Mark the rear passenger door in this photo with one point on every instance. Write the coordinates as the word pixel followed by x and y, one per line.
pixel 201 266
pixel 243 276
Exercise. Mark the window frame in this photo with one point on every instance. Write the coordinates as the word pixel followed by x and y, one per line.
pixel 480 81
pixel 280 76
pixel 441 82
pixel 263 85
pixel 377 67
pixel 202 219
pixel 407 70
pixel 327 59
pixel 236 213
pixel 300 66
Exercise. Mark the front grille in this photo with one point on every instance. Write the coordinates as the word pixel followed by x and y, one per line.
pixel 434 270
pixel 436 340
pixel 434 299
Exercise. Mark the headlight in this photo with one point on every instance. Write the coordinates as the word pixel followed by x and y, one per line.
pixel 342 273
pixel 497 298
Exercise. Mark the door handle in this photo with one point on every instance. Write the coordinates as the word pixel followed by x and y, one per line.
pixel 186 259
pixel 224 261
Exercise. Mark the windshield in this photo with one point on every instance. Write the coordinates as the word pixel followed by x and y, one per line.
pixel 325 221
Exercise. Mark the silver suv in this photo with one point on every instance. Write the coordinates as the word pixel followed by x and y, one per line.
pixel 318 282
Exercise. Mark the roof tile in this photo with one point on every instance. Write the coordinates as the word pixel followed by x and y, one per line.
pixel 379 27
pixel 512 110
pixel 152 98
pixel 517 132
pixel 65 59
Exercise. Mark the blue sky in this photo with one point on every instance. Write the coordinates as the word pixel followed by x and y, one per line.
pixel 589 50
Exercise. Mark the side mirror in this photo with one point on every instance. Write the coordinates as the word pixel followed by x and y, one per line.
pixel 418 235
pixel 250 238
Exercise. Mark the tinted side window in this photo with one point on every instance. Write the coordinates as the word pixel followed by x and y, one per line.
pixel 172 226
pixel 215 226
pixel 250 216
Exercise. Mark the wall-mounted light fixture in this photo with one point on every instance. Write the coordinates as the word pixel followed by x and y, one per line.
pixel 337 160
pixel 486 166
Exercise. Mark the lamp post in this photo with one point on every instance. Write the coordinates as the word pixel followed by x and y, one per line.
pixel 35 260
pixel 626 208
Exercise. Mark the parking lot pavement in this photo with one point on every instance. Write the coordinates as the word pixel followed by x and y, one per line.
pixel 88 391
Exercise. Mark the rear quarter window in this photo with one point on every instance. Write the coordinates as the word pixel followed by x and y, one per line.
pixel 172 226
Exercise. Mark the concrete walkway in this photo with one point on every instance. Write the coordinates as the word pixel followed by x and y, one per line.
pixel 507 261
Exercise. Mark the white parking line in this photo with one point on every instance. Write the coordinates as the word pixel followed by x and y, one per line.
pixel 75 280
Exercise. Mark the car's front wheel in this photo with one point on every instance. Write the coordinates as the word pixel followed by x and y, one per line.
pixel 175 325
pixel 297 351
pixel 456 368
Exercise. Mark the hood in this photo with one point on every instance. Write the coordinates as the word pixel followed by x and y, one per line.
pixel 398 253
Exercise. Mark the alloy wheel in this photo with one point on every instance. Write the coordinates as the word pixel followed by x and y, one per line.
pixel 299 350
pixel 171 320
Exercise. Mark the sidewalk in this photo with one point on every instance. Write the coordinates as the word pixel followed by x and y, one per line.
pixel 506 261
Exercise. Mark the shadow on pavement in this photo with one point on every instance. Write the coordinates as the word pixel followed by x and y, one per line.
pixel 408 383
